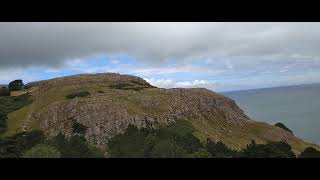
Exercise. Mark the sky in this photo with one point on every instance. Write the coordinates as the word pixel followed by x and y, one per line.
pixel 218 56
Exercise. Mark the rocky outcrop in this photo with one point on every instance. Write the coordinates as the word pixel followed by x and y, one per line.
pixel 116 101
pixel 105 117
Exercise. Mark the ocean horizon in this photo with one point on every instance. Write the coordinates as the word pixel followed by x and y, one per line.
pixel 296 106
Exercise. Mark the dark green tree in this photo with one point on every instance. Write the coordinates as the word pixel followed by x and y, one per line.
pixel 270 150
pixel 15 146
pixel 3 121
pixel 74 147
pixel 168 149
pixel 310 152
pixel 189 142
pixel 78 128
pixel 280 125
pixel 219 150
pixel 16 85
pixel 4 91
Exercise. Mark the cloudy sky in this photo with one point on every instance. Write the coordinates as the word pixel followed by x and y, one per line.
pixel 218 56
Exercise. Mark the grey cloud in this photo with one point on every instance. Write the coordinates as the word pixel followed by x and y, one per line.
pixel 51 44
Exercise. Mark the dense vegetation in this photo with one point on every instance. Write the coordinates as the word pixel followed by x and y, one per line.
pixel 174 141
pixel 78 128
pixel 178 141
pixel 9 104
pixel 280 125
pixel 16 85
pixel 4 91
pixel 128 86
pixel 310 152
pixel 270 150
pixel 78 94
pixel 33 144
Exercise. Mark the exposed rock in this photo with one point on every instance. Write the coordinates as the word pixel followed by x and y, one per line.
pixel 107 111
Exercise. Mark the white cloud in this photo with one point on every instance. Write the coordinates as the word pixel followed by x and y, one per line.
pixel 170 83
pixel 53 43
pixel 7 75
pixel 115 61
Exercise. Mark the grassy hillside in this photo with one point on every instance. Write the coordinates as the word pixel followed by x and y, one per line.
pixel 109 107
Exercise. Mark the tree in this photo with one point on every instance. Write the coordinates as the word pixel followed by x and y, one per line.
pixel 16 85
pixel 189 142
pixel 168 149
pixel 310 152
pixel 280 125
pixel 42 151
pixel 16 145
pixel 78 128
pixel 4 91
pixel 3 121
pixel 218 150
pixel 270 150
pixel 74 147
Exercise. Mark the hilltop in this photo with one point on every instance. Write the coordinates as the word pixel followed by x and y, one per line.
pixel 107 103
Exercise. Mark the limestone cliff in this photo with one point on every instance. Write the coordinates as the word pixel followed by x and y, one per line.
pixel 115 101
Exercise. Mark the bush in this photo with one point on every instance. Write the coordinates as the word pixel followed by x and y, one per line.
pixel 280 125
pixel 78 94
pixel 175 140
pixel 310 152
pixel 42 151
pixel 15 146
pixel 3 121
pixel 189 142
pixel 201 153
pixel 74 147
pixel 9 104
pixel 16 85
pixel 219 150
pixel 78 128
pixel 4 91
pixel 168 149
pixel 270 150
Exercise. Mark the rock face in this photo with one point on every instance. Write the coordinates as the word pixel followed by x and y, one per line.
pixel 115 101
pixel 106 117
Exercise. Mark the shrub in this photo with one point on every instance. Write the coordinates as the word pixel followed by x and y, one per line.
pixel 219 150
pixel 16 145
pixel 78 128
pixel 280 125
pixel 3 121
pixel 42 151
pixel 9 104
pixel 16 85
pixel 168 149
pixel 310 152
pixel 270 150
pixel 175 140
pixel 74 147
pixel 4 91
pixel 201 153
pixel 189 142
pixel 78 94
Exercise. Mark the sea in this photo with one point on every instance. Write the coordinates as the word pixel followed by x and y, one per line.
pixel 298 107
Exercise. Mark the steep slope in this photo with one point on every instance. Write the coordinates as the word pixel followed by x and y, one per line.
pixel 115 101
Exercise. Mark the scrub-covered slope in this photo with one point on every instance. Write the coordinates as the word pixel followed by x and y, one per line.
pixel 107 103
